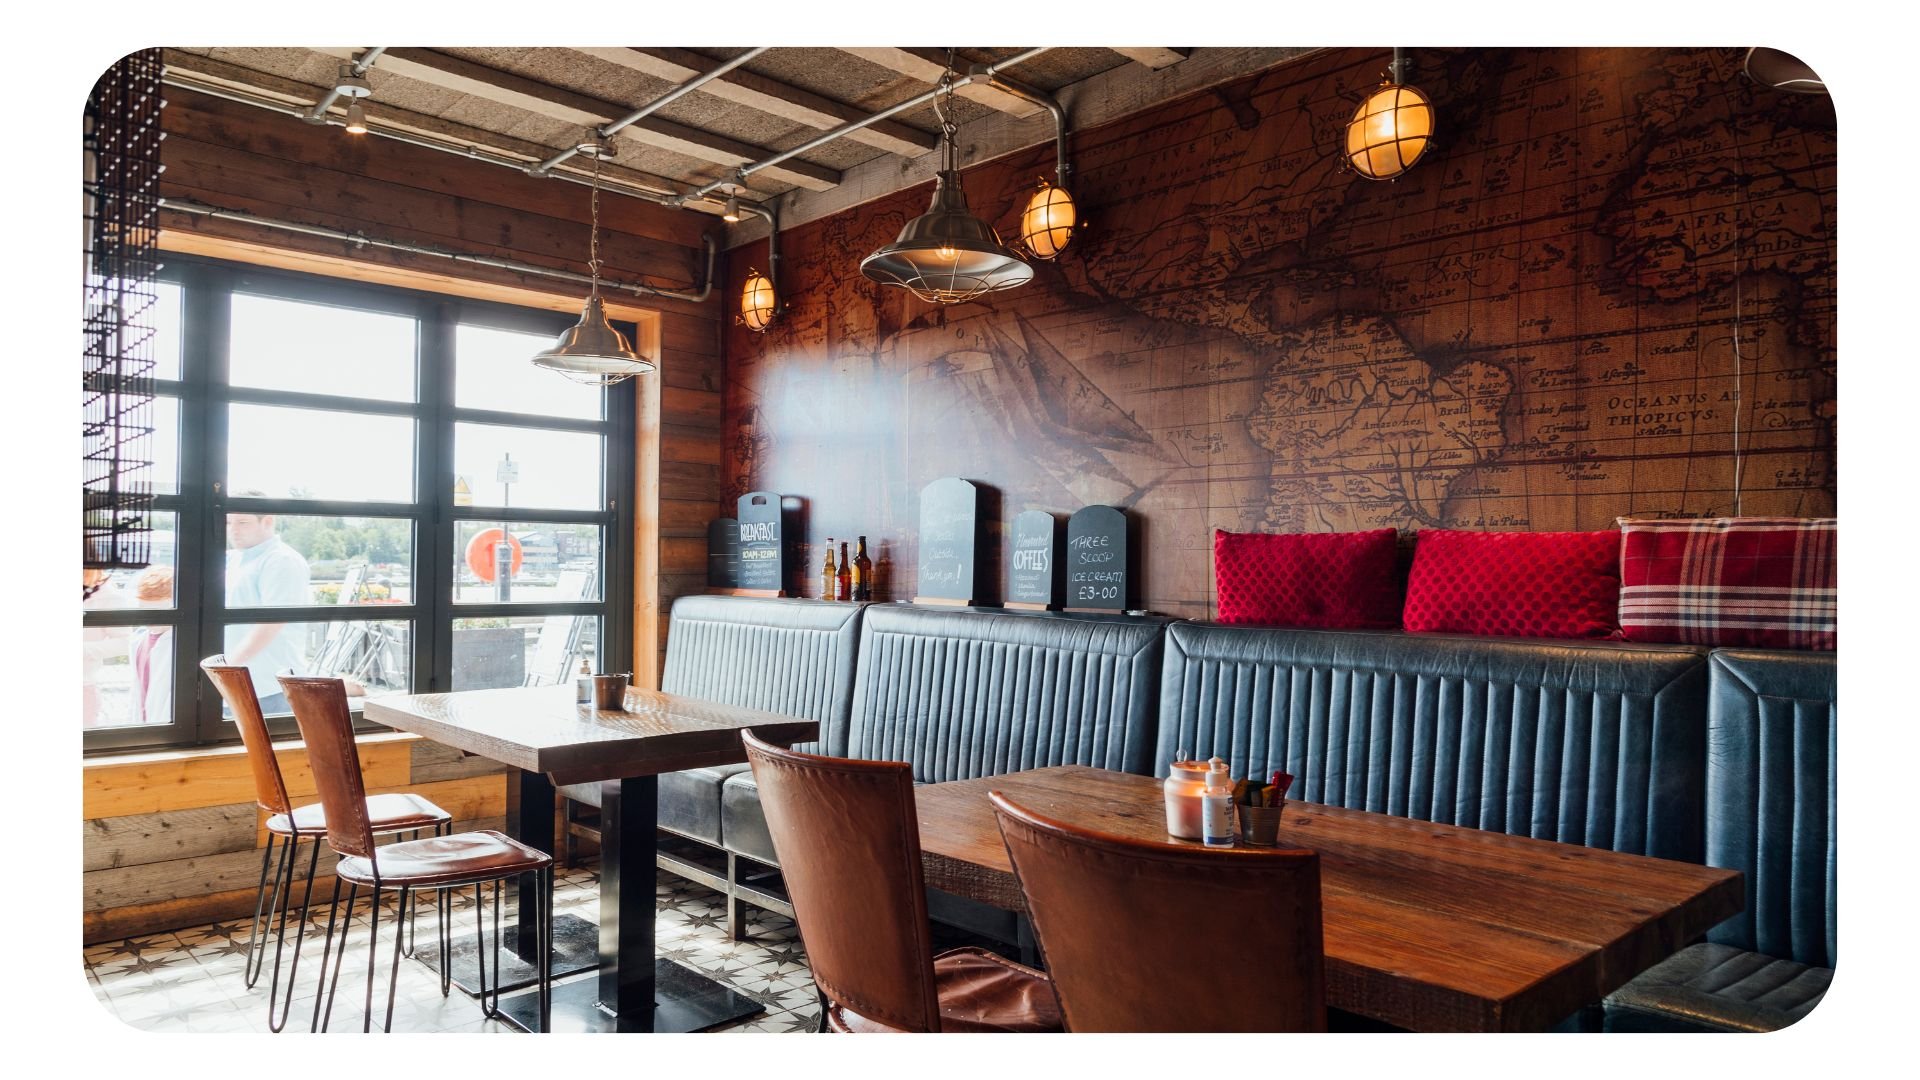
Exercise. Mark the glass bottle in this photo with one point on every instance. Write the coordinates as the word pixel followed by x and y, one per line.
pixel 583 684
pixel 844 583
pixel 829 577
pixel 862 573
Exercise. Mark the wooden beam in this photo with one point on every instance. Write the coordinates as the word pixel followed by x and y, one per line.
pixel 1117 92
pixel 555 103
pixel 219 73
pixel 1154 56
pixel 770 96
pixel 927 65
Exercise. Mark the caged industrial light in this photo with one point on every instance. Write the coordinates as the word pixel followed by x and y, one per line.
pixel 592 351
pixel 946 255
pixel 757 302
pixel 1391 128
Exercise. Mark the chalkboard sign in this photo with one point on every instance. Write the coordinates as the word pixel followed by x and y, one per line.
pixel 762 555
pixel 1097 559
pixel 1033 561
pixel 723 554
pixel 949 534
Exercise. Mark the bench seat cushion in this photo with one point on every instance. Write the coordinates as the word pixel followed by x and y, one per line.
pixel 1711 987
pixel 689 800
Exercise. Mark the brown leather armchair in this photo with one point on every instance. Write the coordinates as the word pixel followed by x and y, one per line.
pixel 1147 936
pixel 849 847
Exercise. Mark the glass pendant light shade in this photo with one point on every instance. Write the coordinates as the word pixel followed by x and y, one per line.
pixel 757 302
pixel 1046 226
pixel 1389 131
pixel 592 351
pixel 946 255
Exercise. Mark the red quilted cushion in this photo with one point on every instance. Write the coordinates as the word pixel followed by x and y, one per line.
pixel 1515 584
pixel 1758 582
pixel 1322 580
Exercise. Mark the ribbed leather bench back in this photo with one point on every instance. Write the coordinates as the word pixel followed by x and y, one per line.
pixel 963 694
pixel 1771 732
pixel 785 656
pixel 1587 743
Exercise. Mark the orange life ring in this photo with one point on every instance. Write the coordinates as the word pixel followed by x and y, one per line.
pixel 482 550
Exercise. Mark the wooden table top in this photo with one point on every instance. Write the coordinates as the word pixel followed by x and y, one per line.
pixel 540 729
pixel 1427 927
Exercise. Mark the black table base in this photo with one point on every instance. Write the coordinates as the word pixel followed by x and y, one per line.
pixel 576 948
pixel 684 1000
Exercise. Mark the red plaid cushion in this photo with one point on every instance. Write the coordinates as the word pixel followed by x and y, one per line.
pixel 1515 584
pixel 1750 581
pixel 1321 580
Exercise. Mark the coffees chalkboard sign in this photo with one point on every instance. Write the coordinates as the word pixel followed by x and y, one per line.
pixel 762 555
pixel 723 554
pixel 1033 561
pixel 949 537
pixel 1097 559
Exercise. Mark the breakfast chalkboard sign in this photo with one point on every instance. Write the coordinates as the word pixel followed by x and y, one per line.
pixel 762 555
pixel 1097 559
pixel 723 554
pixel 949 537
pixel 1033 562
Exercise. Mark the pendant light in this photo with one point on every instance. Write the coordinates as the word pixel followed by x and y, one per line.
pixel 592 351
pixel 946 255
pixel 1391 128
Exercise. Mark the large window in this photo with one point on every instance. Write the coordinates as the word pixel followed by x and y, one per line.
pixel 364 483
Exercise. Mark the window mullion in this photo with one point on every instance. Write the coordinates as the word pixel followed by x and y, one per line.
pixel 434 594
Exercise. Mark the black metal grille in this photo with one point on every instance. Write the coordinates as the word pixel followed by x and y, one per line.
pixel 121 184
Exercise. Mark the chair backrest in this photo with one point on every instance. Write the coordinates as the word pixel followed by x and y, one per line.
pixel 236 689
pixel 320 708
pixel 849 847
pixel 1154 936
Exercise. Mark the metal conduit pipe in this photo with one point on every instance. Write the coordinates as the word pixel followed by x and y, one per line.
pixel 361 63
pixel 979 73
pixel 650 107
pixel 362 240
pixel 467 151
pixel 1044 100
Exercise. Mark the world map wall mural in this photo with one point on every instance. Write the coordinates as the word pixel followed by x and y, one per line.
pixel 1535 328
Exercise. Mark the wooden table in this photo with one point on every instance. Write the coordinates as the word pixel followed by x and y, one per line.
pixel 1428 927
pixel 547 740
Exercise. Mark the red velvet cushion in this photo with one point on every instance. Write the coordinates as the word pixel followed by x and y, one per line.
pixel 1515 584
pixel 1322 580
pixel 1757 582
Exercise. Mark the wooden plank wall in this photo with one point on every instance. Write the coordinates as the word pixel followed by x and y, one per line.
pixel 241 158
pixel 174 838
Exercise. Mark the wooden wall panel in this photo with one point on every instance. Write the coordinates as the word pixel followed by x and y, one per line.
pixel 1532 329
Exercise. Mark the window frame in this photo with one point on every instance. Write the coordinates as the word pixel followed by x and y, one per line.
pixel 199 616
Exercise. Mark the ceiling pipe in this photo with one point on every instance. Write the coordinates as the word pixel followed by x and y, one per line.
pixel 1038 97
pixel 653 106
pixel 361 63
pixel 472 152
pixel 362 240
pixel 978 73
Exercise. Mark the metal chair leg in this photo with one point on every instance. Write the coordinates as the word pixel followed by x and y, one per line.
pixel 393 979
pixel 320 1021
pixel 299 938
pixel 480 948
pixel 822 1029
pixel 544 902
pixel 256 942
pixel 373 952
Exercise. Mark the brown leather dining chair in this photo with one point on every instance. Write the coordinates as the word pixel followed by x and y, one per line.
pixel 438 864
pixel 388 815
pixel 849 847
pixel 1162 936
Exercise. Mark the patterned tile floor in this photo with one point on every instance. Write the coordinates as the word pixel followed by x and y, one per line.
pixel 191 980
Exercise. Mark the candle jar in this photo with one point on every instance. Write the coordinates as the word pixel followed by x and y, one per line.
pixel 1186 781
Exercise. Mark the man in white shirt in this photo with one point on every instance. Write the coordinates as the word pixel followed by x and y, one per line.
pixel 264 571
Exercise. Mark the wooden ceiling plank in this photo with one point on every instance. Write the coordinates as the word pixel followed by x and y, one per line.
pixel 1154 56
pixel 770 96
pixel 558 103
pixel 927 65
pixel 233 76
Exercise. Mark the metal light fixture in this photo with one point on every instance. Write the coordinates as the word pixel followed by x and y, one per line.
pixel 1047 224
pixel 731 212
pixel 946 255
pixel 356 119
pixel 592 351
pixel 352 85
pixel 1391 128
pixel 757 302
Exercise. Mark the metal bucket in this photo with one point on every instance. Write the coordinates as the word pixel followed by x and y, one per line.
pixel 1260 825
